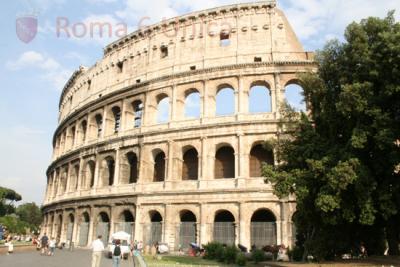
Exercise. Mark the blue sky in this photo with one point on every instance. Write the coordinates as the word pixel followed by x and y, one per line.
pixel 32 74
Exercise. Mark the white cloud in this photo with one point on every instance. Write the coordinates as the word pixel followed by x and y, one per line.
pixel 51 70
pixel 315 21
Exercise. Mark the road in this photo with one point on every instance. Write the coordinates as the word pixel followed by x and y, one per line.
pixel 62 258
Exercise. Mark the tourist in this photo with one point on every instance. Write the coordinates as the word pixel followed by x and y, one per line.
pixel 44 241
pixel 10 245
pixel 116 256
pixel 52 246
pixel 97 248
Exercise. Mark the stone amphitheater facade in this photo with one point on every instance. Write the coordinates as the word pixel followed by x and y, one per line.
pixel 116 167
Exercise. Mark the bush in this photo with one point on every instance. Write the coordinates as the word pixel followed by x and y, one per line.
pixel 213 251
pixel 241 259
pixel 230 254
pixel 296 254
pixel 257 255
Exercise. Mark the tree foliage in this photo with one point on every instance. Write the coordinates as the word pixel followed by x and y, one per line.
pixel 7 199
pixel 31 214
pixel 342 161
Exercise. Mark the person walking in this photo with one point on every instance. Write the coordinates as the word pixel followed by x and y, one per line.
pixel 97 248
pixel 52 246
pixel 117 255
pixel 10 245
pixel 44 241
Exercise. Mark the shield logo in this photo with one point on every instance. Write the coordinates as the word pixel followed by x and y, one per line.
pixel 26 28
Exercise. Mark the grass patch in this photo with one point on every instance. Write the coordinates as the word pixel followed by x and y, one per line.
pixel 184 260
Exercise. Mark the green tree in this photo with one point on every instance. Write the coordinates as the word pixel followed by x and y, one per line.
pixel 342 161
pixel 7 199
pixel 31 214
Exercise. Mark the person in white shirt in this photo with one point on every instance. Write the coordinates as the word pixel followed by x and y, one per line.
pixel 97 248
pixel 10 246
pixel 52 246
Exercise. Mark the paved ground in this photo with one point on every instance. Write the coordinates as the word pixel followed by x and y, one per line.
pixel 77 258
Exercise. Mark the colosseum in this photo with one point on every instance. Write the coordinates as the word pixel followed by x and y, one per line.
pixel 162 137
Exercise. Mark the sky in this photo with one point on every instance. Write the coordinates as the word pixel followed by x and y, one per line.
pixel 32 74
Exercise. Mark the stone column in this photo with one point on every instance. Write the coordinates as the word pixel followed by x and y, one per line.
pixel 242 107
pixel 168 226
pixel 104 123
pixel 116 169
pixel 75 230
pixel 204 238
pixel 205 112
pixel 112 220
pixel 79 178
pixel 170 161
pixel 91 232
pixel 96 172
pixel 67 189
pixel 276 95
pixel 203 163
pixel 173 105
pixel 138 225
pixel 243 239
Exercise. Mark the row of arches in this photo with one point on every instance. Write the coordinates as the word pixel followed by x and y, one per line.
pixel 119 115
pixel 263 228
pixel 129 166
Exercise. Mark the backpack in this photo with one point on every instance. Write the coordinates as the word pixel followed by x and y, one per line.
pixel 117 251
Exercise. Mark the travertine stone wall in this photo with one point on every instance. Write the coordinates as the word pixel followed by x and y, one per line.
pixel 110 110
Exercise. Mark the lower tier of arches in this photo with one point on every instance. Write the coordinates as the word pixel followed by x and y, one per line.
pixel 258 222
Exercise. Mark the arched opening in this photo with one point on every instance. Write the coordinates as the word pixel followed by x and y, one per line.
pixel 263 228
pixel 64 180
pixel 117 118
pixel 59 226
pixel 90 172
pixel 83 131
pixel 133 167
pixel 187 229
pixel 155 228
pixel 224 228
pixel 159 167
pixel 259 155
pixel 73 184
pixel 225 101
pixel 192 104
pixel 99 124
pixel 260 98
pixel 84 229
pixel 190 167
pixel 163 109
pixel 137 113
pixel 103 227
pixel 107 172
pixel 70 227
pixel 225 163
pixel 126 223
pixel 294 96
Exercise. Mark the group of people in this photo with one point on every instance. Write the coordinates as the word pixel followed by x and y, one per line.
pixel 46 245
pixel 98 248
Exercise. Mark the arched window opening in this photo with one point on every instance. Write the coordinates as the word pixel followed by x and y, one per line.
pixel 225 101
pixel 103 226
pixel 190 166
pixel 294 97
pixel 163 109
pixel 263 229
pixel 224 38
pixel 138 112
pixel 99 123
pixel 159 167
pixel 187 229
pixel 74 178
pixel 192 105
pixel 224 228
pixel 83 130
pixel 259 99
pixel 70 227
pixel 111 169
pixel 73 130
pixel 89 175
pixel 133 167
pixel 117 118
pixel 154 229
pixel 84 229
pixel 225 163
pixel 126 223
pixel 258 156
